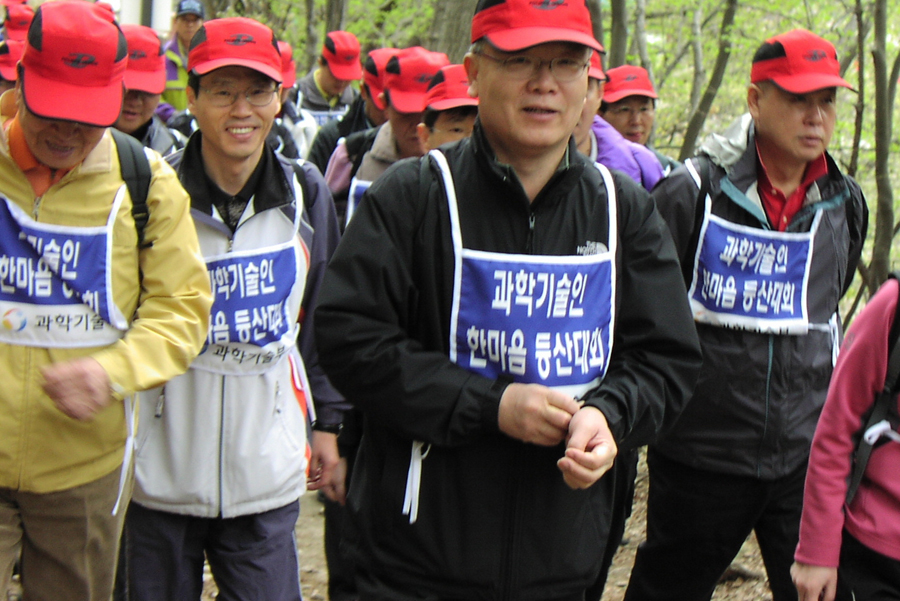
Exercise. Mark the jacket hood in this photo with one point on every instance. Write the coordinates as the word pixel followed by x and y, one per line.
pixel 726 149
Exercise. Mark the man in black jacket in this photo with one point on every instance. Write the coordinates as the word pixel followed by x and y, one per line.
pixel 768 253
pixel 500 343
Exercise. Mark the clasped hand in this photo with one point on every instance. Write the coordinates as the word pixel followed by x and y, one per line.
pixel 539 415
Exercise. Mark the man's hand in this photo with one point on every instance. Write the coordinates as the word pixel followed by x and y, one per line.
pixel 814 583
pixel 590 449
pixel 327 471
pixel 536 414
pixel 80 388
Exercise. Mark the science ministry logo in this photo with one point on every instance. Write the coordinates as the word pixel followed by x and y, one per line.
pixel 240 39
pixel 548 4
pixel 815 56
pixel 78 60
pixel 14 320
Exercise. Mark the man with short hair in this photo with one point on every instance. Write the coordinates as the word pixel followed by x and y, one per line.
pixel 629 105
pixel 599 141
pixel 188 19
pixel 145 80
pixel 768 248
pixel 449 110
pixel 326 91
pixel 223 460
pixel 91 313
pixel 366 112
pixel 361 158
pixel 504 314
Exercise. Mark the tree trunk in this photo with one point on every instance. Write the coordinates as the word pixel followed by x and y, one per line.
pixel 313 47
pixel 640 35
pixel 697 53
pixel 451 31
pixel 884 211
pixel 334 15
pixel 596 10
pixel 699 116
pixel 618 44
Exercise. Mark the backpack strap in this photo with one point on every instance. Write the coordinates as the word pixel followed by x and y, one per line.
pixel 136 174
pixel 884 407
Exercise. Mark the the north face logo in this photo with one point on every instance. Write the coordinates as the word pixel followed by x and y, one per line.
pixel 79 61
pixel 136 55
pixel 548 4
pixel 815 56
pixel 240 39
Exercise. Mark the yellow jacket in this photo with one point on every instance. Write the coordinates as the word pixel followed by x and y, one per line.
pixel 41 449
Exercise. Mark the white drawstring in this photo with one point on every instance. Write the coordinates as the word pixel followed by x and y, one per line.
pixel 882 428
pixel 414 480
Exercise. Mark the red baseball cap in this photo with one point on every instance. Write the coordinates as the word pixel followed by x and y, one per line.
pixel 18 19
pixel 449 88
pixel 11 2
pixel 74 63
pixel 146 69
pixel 511 25
pixel 407 76
pixel 373 73
pixel 595 70
pixel 341 52
pixel 798 62
pixel 10 54
pixel 627 80
pixel 288 67
pixel 235 41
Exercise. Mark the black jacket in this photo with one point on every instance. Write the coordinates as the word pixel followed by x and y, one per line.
pixel 759 395
pixel 496 520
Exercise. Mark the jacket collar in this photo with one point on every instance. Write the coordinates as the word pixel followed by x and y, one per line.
pixel 273 189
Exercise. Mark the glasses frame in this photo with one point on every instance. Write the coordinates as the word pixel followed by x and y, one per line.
pixel 214 97
pixel 536 65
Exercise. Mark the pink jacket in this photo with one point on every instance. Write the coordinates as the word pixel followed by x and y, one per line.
pixel 873 517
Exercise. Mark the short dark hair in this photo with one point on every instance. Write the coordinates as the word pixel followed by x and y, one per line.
pixel 605 106
pixel 457 113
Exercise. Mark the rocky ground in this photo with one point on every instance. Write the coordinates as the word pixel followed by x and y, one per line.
pixel 745 580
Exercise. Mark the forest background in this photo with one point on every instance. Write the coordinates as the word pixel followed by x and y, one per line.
pixel 698 53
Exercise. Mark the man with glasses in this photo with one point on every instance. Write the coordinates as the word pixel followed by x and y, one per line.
pixel 504 313
pixel 222 458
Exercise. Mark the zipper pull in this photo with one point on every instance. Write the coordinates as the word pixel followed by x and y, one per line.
pixel 159 404
pixel 529 243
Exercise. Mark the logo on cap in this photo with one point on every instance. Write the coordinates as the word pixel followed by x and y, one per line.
pixel 423 78
pixel 815 55
pixel 240 39
pixel 79 61
pixel 548 4
pixel 630 78
pixel 137 54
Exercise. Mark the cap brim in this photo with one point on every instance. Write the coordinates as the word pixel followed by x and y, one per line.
pixel 204 68
pixel 143 81
pixel 375 92
pixel 620 94
pixel 452 103
pixel 51 99
pixel 8 72
pixel 346 72
pixel 511 40
pixel 810 82
pixel 407 102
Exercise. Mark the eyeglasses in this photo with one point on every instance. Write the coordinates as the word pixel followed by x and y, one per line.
pixel 524 67
pixel 222 97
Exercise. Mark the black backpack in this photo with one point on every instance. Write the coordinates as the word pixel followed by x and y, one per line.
pixel 135 170
pixel 884 407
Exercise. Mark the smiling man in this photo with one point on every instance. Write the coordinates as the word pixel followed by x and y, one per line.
pixel 768 252
pixel 91 314
pixel 222 460
pixel 487 311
